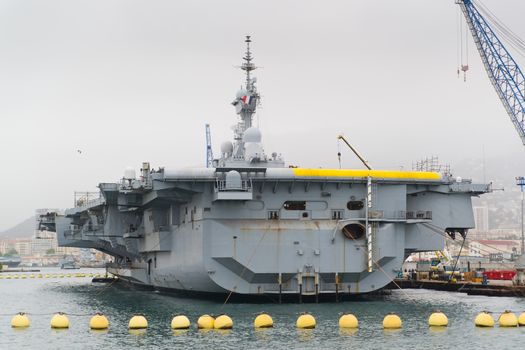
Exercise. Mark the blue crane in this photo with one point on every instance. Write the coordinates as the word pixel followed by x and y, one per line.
pixel 503 71
pixel 209 153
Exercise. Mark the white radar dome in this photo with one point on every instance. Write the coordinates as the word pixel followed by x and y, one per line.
pixel 129 173
pixel 252 135
pixel 226 147
pixel 253 150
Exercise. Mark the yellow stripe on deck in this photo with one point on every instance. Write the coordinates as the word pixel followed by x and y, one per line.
pixel 381 174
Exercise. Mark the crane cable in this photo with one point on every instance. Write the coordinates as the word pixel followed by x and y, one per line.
pixel 503 30
pixel 462 48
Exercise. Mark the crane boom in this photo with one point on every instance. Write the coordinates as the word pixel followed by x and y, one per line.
pixel 504 73
pixel 363 160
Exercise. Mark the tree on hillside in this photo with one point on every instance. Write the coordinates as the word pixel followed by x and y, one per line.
pixel 11 251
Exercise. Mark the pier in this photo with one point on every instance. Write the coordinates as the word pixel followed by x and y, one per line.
pixel 470 288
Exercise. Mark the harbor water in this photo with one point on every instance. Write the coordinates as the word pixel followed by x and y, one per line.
pixel 80 299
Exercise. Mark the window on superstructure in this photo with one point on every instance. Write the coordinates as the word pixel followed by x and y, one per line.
pixel 355 205
pixel 337 214
pixel 273 214
pixel 294 205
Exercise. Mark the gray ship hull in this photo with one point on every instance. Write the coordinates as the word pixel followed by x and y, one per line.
pixel 189 237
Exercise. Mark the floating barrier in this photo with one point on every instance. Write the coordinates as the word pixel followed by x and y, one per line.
pixel 521 319
pixel 223 322
pixel 99 322
pixel 484 319
pixel 392 321
pixel 205 322
pixel 8 276
pixel 138 322
pixel 438 319
pixel 305 321
pixel 348 321
pixel 59 321
pixel 508 319
pixel 263 321
pixel 20 320
pixel 180 322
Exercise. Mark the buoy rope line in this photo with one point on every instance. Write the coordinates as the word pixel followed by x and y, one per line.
pixel 106 287
pixel 245 266
pixel 47 314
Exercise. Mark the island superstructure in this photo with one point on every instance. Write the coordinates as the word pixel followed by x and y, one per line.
pixel 249 225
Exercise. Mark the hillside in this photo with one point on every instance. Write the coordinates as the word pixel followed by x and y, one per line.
pixel 25 229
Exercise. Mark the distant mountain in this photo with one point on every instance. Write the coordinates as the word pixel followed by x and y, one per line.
pixel 25 229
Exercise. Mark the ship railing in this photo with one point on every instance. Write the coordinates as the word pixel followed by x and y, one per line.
pixel 244 185
pixel 400 215
pixel 419 214
pixel 92 230
pixel 81 203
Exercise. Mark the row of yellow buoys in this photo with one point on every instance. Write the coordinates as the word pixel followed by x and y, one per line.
pixel 263 320
pixel 56 275
pixel 506 319
pixel 60 321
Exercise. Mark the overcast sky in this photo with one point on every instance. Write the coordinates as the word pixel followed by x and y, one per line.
pixel 131 81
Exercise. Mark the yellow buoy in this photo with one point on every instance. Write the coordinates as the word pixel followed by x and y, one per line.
pixel 23 276
pixel 438 319
pixel 59 320
pixel 138 322
pixel 223 322
pixel 348 321
pixel 263 321
pixel 521 319
pixel 31 276
pixel 180 322
pixel 508 319
pixel 205 322
pixel 392 321
pixel 484 319
pixel 99 321
pixel 305 321
pixel 20 320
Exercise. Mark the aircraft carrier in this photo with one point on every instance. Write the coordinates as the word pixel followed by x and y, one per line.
pixel 250 226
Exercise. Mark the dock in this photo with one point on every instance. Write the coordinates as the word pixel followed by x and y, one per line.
pixel 470 288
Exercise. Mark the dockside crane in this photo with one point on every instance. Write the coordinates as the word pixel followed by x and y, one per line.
pixel 503 71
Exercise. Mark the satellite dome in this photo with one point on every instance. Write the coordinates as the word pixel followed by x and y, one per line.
pixel 252 135
pixel 226 147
